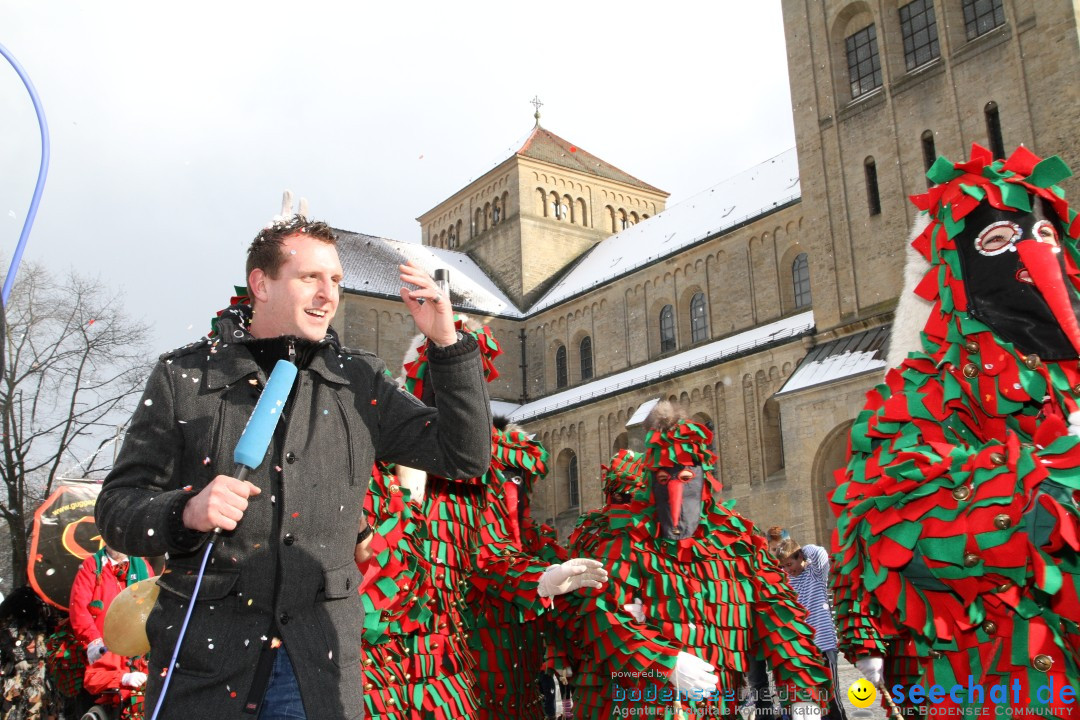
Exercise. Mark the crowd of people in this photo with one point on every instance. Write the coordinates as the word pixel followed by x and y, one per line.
pixel 956 558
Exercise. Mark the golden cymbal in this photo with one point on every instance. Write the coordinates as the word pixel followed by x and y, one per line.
pixel 125 621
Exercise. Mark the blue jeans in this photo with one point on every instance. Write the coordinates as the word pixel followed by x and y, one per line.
pixel 282 701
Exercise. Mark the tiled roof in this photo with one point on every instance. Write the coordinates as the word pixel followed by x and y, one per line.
pixel 371 268
pixel 739 199
pixel 681 363
pixel 842 358
pixel 371 262
pixel 547 146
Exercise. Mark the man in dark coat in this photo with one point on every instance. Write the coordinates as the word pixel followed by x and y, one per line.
pixel 282 574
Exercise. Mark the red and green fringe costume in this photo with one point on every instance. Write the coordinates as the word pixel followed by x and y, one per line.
pixel 510 650
pixel 958 532
pixel 453 543
pixel 718 595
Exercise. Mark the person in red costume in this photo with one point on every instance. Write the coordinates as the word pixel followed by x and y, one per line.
pixel 958 532
pixel 510 651
pixel 112 678
pixel 443 549
pixel 693 595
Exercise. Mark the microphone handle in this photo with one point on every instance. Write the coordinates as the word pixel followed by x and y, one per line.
pixel 241 475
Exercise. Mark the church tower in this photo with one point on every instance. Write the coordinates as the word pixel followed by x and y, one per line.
pixel 529 218
pixel 879 89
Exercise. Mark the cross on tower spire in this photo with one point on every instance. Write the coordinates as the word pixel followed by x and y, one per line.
pixel 536 104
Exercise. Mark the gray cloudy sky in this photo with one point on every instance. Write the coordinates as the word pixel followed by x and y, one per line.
pixel 176 126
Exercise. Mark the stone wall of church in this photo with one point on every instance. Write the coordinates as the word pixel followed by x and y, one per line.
pixel 731 398
pixel 1026 67
pixel 745 277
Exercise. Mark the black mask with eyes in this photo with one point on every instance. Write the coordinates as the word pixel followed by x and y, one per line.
pixel 1011 296
pixel 677 494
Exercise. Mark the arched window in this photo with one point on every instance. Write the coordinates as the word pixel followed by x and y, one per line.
pixel 582 215
pixel 572 482
pixel 451 237
pixel 586 358
pixel 993 130
pixel 478 222
pixel 496 211
pixel 560 367
pixel 873 197
pixel 699 322
pixel 929 152
pixel 667 329
pixel 864 65
pixel 624 221
pixel 800 278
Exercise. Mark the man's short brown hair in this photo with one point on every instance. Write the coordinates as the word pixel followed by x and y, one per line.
pixel 265 250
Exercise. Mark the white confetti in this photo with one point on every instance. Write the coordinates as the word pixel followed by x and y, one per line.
pixel 150 531
pixel 148 402
pixel 50 571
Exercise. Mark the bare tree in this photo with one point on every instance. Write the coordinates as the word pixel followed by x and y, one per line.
pixel 75 364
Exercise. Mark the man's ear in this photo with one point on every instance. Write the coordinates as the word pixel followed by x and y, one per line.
pixel 257 285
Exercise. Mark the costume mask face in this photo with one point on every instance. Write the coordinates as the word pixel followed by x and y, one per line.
pixel 677 492
pixel 1015 279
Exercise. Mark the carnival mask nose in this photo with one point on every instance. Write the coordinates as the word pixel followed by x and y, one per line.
pixel 1016 281
pixel 1040 251
pixel 677 491
pixel 514 504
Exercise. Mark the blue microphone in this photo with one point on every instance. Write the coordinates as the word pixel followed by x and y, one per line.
pixel 249 454
pixel 255 439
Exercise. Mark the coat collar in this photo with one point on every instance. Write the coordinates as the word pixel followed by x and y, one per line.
pixel 230 361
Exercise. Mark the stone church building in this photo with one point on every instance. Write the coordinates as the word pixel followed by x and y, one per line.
pixel 761 304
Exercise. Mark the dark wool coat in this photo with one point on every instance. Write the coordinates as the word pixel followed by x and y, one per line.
pixel 290 561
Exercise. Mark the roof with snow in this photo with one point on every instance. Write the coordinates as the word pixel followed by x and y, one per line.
pixel 370 262
pixel 548 147
pixel 370 265
pixel 678 364
pixel 847 357
pixel 737 200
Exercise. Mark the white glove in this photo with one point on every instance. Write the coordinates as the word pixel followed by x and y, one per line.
pixel 635 608
pixel 95 650
pixel 693 672
pixel 561 578
pixel 871 668
pixel 133 679
pixel 415 480
pixel 805 711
